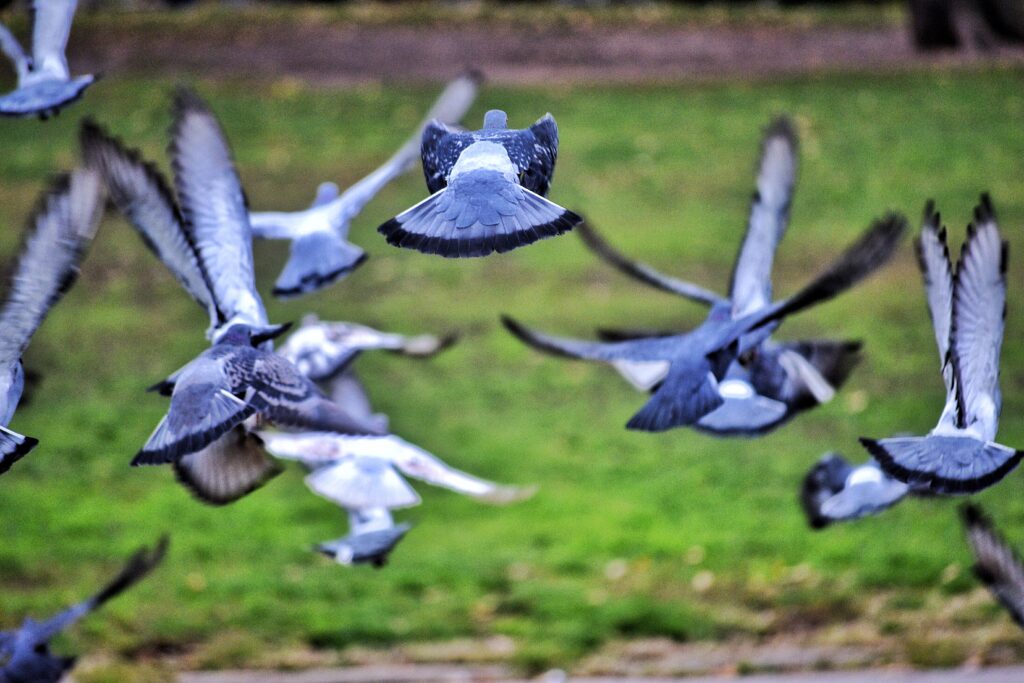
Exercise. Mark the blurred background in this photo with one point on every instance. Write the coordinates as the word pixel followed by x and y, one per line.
pixel 670 554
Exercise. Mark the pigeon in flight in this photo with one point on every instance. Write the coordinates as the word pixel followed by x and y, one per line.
pixel 320 350
pixel 25 655
pixel 772 381
pixel 320 251
pixel 208 247
pixel 488 189
pixel 995 564
pixel 968 310
pixel 44 83
pixel 56 241
pixel 699 360
pixel 835 491
pixel 361 475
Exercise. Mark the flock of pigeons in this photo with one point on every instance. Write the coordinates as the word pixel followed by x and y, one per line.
pixel 241 405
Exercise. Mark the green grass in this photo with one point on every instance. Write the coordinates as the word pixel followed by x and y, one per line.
pixel 631 535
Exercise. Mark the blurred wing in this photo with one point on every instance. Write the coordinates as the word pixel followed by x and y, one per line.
pixel 542 157
pixel 362 483
pixel 140 192
pixel 418 463
pixel 635 350
pixel 349 393
pixel 996 564
pixel 313 449
pixel 450 107
pixel 643 272
pixel 51 26
pixel 440 147
pixel 10 46
pixel 937 271
pixel 58 235
pixel 751 287
pixel 979 311
pixel 214 208
pixel 230 468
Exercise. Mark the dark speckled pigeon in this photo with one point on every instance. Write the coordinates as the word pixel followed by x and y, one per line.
pixel 44 83
pixel 320 252
pixel 25 655
pixel 968 311
pixel 699 360
pixel 59 233
pixel 208 246
pixel 995 563
pixel 488 190
pixel 834 491
pixel 772 382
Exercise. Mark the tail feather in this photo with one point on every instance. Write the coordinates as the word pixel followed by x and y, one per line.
pixel 943 464
pixel 455 223
pixel 13 447
pixel 317 260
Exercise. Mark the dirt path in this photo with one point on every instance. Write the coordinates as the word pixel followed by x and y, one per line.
pixel 338 53
pixel 445 674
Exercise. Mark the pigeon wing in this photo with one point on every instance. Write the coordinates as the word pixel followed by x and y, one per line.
pixel 10 46
pixel 214 208
pixel 643 272
pixel 51 26
pixel 440 147
pixel 634 350
pixel 979 311
pixel 995 563
pixel 142 195
pixel 937 271
pixel 541 169
pixel 59 233
pixel 751 287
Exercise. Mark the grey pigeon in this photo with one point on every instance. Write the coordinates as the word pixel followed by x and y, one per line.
pixel 321 350
pixel 372 536
pixel 320 251
pixel 488 189
pixel 45 84
pixel 968 311
pixel 699 360
pixel 834 491
pixel 25 655
pixel 995 563
pixel 59 232
pixel 209 248
pixel 771 382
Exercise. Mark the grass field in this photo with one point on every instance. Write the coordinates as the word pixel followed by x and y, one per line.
pixel 631 535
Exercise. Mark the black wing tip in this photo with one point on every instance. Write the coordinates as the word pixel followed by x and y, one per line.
pixel 984 212
pixel 164 387
pixel 398 236
pixel 782 126
pixel 186 99
pixel 141 563
pixel 473 74
pixel 973 515
pixel 312 282
pixel 19 451
pixel 269 332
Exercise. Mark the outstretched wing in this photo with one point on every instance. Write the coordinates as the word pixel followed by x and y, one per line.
pixel 636 349
pixel 59 233
pixel 450 107
pixel 751 287
pixel 51 26
pixel 140 192
pixel 10 46
pixel 440 147
pixel 541 170
pixel 996 564
pixel 214 208
pixel 937 271
pixel 138 566
pixel 643 272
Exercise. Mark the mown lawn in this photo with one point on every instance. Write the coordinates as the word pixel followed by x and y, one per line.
pixel 630 535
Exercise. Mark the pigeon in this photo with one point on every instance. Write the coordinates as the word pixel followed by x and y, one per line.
pixel 25 655
pixel 968 310
pixel 995 564
pixel 361 475
pixel 772 382
pixel 45 85
pixel 699 360
pixel 56 240
pixel 320 350
pixel 372 536
pixel 835 491
pixel 208 246
pixel 488 190
pixel 320 251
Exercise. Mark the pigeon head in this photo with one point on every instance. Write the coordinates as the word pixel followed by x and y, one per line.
pixel 236 335
pixel 495 119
